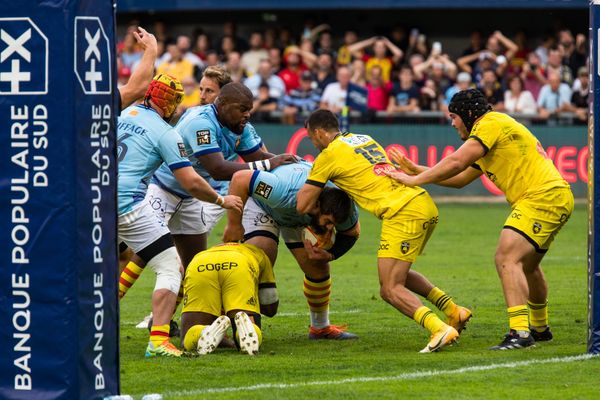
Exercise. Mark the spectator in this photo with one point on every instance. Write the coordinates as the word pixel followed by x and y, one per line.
pixel 326 44
pixel 544 48
pixel 130 53
pixel 417 44
pixel 404 96
pixel 381 45
pixel 574 51
pixel 271 40
pixel 358 73
pixel 492 89
pixel 191 96
pixel 263 104
pixel 555 65
pixel 307 52
pixel 399 38
pixel 429 98
pixel 303 99
pixel 234 67
pixel 518 100
pixel 463 82
pixel 226 47
pixel 555 97
pixel 334 95
pixel 533 74
pixel 202 46
pixel 265 75
pixel 579 99
pixel 515 65
pixel 344 56
pixel 324 74
pixel 177 66
pixel 184 43
pixel 415 60
pixel 437 67
pixel 275 58
pixel 212 58
pixel 291 74
pixel 230 30
pixel 475 46
pixel 378 91
pixel 252 58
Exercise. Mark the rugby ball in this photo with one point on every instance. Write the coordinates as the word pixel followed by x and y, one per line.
pixel 324 241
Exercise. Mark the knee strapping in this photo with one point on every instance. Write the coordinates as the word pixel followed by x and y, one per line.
pixel 166 266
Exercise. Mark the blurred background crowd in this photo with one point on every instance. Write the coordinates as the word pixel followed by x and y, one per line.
pixel 399 73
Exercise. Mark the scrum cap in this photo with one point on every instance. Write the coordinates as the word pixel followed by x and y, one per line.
pixel 469 105
pixel 166 92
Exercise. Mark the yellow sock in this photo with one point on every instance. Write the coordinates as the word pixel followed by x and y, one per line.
pixel 158 334
pixel 538 315
pixel 442 301
pixel 518 318
pixel 190 341
pixel 317 294
pixel 258 333
pixel 427 319
pixel 129 275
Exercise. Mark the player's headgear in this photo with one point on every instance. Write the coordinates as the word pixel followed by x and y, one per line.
pixel 469 105
pixel 166 92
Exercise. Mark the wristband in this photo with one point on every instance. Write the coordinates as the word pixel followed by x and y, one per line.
pixel 220 200
pixel 260 165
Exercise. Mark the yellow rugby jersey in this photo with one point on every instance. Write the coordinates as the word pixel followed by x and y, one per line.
pixel 515 161
pixel 253 254
pixel 356 164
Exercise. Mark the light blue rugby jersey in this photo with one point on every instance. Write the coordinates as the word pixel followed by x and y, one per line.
pixel 203 134
pixel 144 142
pixel 276 193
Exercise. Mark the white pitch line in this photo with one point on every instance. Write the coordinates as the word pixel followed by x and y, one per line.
pixel 283 314
pixel 401 377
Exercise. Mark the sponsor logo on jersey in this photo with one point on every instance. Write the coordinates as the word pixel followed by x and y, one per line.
pixel 251 301
pixel 203 137
pixel 182 151
pixel 263 190
pixel 381 168
pixel 356 140
pixel 537 227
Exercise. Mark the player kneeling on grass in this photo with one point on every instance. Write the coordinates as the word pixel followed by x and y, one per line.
pixel 541 202
pixel 234 277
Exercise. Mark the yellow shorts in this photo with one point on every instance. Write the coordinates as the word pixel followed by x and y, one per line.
pixel 405 234
pixel 539 218
pixel 223 280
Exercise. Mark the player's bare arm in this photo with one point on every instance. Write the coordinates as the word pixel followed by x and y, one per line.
pixel 447 168
pixel 142 75
pixel 223 170
pixel 195 185
pixel 234 230
pixel 307 199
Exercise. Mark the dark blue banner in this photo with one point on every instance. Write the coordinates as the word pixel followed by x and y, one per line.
pixel 58 269
pixel 182 5
pixel 593 193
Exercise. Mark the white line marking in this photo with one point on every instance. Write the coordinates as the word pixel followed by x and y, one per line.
pixel 283 314
pixel 401 377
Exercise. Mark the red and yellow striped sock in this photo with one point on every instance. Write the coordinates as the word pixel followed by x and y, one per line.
pixel 129 275
pixel 158 334
pixel 317 295
pixel 518 318
pixel 428 319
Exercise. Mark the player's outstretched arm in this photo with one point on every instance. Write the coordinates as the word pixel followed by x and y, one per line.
pixel 447 168
pixel 142 75
pixel 195 185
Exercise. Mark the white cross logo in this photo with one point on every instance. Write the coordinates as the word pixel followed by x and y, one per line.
pixel 15 45
pixel 15 76
pixel 92 44
pixel 93 76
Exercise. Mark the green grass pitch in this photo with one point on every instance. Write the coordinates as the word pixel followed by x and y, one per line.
pixel 384 362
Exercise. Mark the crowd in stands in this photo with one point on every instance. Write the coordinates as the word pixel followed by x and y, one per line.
pixel 402 74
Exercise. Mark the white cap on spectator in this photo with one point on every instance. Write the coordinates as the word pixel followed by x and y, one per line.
pixel 500 59
pixel 463 77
